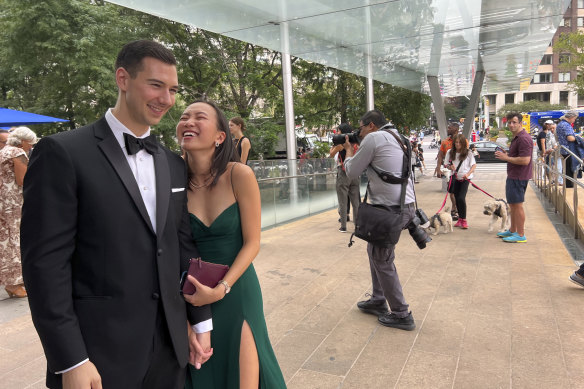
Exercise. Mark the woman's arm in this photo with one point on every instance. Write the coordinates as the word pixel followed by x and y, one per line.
pixel 245 147
pixel 20 165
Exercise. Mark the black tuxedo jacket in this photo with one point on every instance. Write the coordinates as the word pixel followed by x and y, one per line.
pixel 96 273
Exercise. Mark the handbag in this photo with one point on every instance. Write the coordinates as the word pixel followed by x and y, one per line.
pixel 377 224
pixel 206 273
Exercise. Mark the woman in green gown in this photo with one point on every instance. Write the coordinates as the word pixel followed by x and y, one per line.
pixel 225 215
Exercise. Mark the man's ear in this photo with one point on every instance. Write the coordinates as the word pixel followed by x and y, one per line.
pixel 122 78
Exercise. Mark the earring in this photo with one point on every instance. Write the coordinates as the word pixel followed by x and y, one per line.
pixel 217 144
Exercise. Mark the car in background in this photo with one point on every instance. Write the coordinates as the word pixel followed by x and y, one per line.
pixel 487 150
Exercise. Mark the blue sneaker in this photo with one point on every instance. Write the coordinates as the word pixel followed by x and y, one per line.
pixel 505 234
pixel 515 238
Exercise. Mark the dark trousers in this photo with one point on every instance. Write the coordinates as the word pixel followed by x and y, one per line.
pixel 384 278
pixel 164 371
pixel 460 188
pixel 569 171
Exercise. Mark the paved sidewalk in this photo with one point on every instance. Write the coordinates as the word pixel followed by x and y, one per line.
pixel 489 314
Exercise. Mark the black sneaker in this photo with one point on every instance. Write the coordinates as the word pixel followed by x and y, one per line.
pixel 343 229
pixel 577 279
pixel 403 323
pixel 373 307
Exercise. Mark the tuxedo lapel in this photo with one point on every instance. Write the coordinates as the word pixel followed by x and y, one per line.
pixel 113 152
pixel 162 189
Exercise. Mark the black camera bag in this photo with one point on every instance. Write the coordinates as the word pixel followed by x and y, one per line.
pixel 378 224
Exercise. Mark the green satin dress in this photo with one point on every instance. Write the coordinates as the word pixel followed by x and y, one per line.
pixel 220 243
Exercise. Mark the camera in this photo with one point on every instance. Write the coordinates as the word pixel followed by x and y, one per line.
pixel 339 139
pixel 416 231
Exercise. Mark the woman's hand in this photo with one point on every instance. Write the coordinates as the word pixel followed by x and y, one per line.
pixel 204 295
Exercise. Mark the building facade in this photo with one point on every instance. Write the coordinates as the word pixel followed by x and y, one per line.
pixel 550 83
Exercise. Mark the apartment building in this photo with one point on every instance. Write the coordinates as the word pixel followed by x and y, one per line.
pixel 549 83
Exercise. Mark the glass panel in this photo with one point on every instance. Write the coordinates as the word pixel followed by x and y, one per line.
pixel 404 41
pixel 267 195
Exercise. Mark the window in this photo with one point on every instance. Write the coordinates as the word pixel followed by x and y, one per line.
pixel 566 22
pixel 540 78
pixel 510 97
pixel 538 96
pixel 563 77
pixel 547 59
pixel 564 58
pixel 580 22
pixel 564 97
pixel 580 3
pixel 492 99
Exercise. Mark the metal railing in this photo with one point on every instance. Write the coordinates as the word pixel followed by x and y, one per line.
pixel 551 180
pixel 292 189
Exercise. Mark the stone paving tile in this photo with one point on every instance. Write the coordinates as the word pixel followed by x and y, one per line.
pixel 303 345
pixel 428 370
pixel 315 380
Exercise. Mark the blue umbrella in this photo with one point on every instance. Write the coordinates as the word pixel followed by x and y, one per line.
pixel 11 118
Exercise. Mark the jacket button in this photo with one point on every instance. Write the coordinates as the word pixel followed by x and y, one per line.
pixel 155 296
pixel 159 252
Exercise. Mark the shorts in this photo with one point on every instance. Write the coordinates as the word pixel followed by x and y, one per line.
pixel 515 190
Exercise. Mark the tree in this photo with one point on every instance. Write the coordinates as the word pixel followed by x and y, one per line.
pixel 529 106
pixel 403 107
pixel 63 66
pixel 573 45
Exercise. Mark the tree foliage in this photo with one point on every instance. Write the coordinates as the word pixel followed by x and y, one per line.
pixel 572 44
pixel 529 106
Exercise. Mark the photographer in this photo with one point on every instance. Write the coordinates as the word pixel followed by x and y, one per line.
pixel 381 150
pixel 347 189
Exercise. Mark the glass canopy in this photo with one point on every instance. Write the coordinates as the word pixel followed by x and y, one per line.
pixel 399 42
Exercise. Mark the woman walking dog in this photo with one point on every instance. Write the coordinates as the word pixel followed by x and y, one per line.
pixel 462 163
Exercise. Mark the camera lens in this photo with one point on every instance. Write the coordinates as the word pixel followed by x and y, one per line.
pixel 418 234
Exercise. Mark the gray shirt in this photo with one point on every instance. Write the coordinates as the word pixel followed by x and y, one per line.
pixel 382 151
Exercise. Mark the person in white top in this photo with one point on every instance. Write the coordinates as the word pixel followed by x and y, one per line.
pixel 462 162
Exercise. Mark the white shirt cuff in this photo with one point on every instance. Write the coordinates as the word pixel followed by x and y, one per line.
pixel 204 326
pixel 72 367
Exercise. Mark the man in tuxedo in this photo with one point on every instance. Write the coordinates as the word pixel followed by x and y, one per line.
pixel 105 237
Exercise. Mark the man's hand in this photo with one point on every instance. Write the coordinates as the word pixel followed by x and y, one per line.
pixel 501 155
pixel 348 147
pixel 200 348
pixel 438 171
pixel 82 377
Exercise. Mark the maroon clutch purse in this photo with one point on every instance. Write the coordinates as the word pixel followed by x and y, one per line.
pixel 206 273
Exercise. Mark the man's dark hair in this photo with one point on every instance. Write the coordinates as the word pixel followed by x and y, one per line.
pixel 345 128
pixel 512 115
pixel 374 116
pixel 132 54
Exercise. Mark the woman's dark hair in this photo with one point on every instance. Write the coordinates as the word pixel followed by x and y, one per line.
pixel 453 151
pixel 238 122
pixel 225 153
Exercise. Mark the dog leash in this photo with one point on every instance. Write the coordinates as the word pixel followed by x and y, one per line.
pixel 447 193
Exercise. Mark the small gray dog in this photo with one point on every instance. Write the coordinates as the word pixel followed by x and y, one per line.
pixel 497 209
pixel 442 219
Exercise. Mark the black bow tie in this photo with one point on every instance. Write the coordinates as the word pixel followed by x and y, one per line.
pixel 133 144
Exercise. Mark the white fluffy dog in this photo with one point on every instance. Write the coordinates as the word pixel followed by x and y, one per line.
pixel 442 219
pixel 497 209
